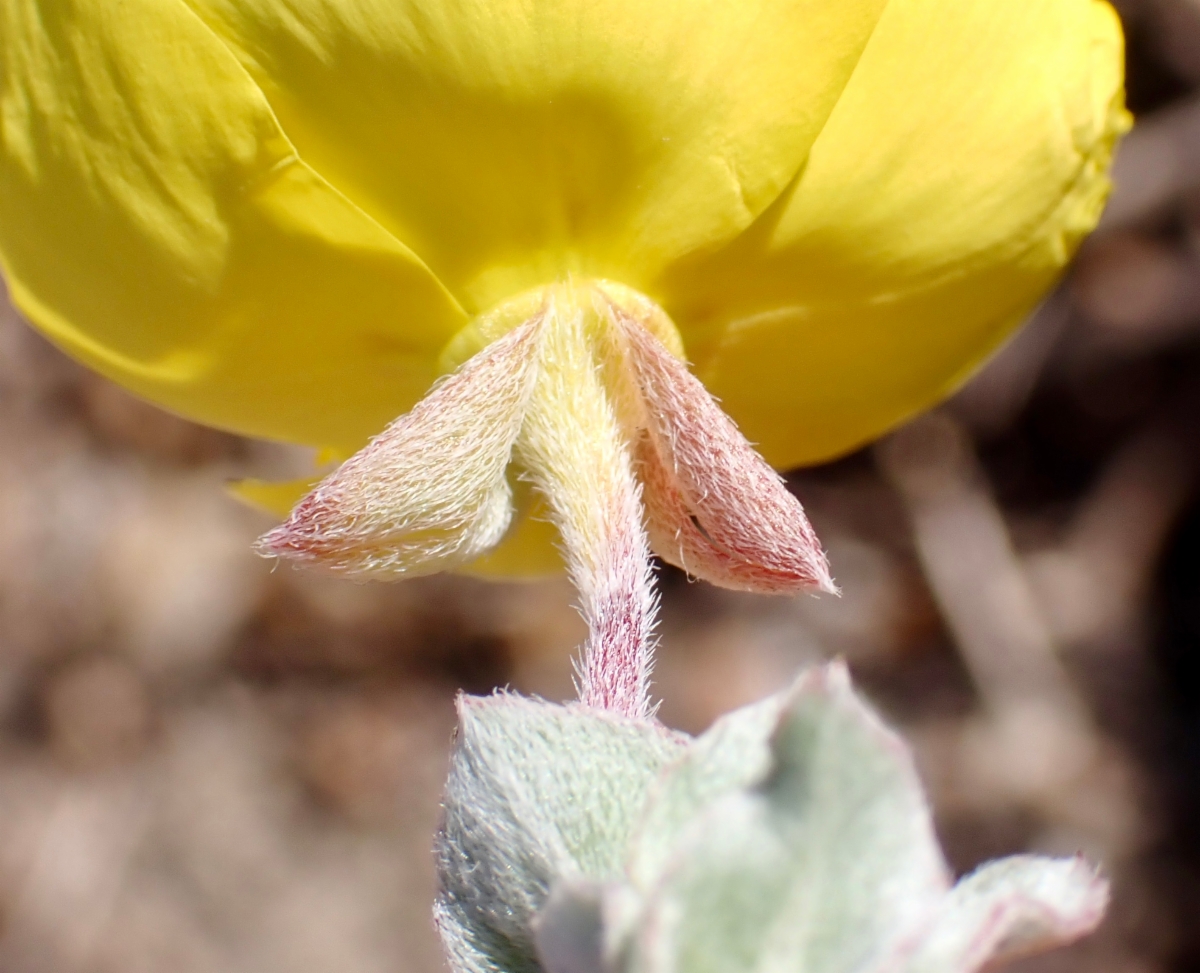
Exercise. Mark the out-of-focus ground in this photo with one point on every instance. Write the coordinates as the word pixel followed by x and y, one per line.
pixel 207 765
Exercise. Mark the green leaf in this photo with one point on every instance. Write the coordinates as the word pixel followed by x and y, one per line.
pixel 1011 908
pixel 537 793
pixel 733 754
pixel 792 837
pixel 824 862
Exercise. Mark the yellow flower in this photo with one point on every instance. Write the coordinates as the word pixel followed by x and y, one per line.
pixel 282 217
pixel 272 215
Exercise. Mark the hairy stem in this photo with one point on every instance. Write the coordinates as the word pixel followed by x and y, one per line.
pixel 573 447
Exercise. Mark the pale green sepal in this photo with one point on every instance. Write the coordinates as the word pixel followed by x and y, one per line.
pixel 537 793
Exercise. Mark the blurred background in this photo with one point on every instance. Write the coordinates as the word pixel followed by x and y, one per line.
pixel 209 765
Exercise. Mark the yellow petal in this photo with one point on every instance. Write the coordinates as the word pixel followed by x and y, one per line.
pixel 273 496
pixel 511 142
pixel 156 222
pixel 528 552
pixel 963 163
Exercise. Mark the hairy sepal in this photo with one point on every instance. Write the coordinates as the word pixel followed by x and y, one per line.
pixel 714 507
pixel 430 492
pixel 792 835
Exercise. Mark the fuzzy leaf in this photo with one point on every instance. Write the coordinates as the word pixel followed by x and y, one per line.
pixel 792 837
pixel 537 793
pixel 824 863
pixel 1011 908
pixel 734 753
pixel 569 930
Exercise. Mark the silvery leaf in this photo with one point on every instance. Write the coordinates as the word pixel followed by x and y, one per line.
pixel 537 793
pixel 792 837
pixel 1008 909
pixel 824 862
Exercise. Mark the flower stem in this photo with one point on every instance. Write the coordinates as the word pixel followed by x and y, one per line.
pixel 573 447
